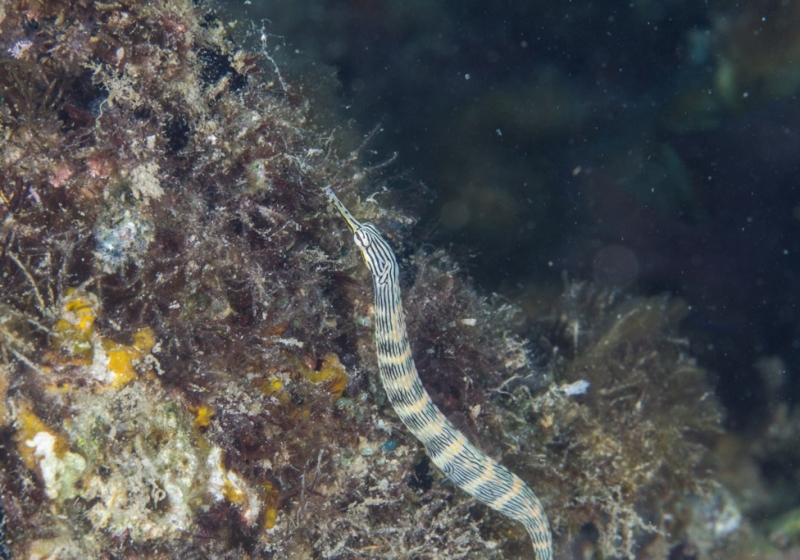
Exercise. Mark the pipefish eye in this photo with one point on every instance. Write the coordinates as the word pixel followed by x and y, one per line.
pixel 362 239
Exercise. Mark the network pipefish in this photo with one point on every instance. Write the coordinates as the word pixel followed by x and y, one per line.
pixel 470 469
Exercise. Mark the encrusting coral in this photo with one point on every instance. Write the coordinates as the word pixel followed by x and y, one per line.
pixel 186 364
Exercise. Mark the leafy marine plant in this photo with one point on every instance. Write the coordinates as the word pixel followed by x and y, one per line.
pixel 630 453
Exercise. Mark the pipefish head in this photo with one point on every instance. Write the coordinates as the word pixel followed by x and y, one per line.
pixel 374 249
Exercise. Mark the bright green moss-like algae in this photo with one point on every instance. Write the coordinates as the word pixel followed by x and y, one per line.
pixel 186 355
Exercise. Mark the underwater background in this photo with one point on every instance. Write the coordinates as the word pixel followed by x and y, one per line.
pixel 576 192
pixel 650 146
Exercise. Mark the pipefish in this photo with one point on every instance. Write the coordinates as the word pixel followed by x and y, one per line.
pixel 469 468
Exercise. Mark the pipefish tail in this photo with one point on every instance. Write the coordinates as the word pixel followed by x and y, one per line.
pixel 469 468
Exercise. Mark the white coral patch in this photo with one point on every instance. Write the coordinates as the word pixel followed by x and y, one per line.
pixel 144 181
pixel 216 481
pixel 227 485
pixel 58 474
pixel 575 389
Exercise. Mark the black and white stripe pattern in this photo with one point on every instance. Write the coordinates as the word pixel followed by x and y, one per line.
pixel 472 470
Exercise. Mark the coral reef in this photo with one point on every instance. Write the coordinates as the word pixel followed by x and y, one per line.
pixel 186 361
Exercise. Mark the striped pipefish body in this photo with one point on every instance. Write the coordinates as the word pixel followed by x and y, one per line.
pixel 470 469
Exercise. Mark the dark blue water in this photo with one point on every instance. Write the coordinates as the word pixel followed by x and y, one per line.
pixel 651 146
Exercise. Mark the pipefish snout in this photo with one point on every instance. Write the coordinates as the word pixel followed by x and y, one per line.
pixel 469 468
